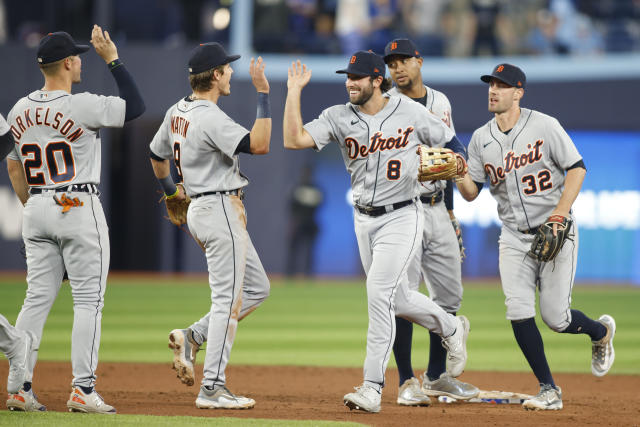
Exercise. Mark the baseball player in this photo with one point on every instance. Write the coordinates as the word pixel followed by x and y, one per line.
pixel 378 136
pixel 55 170
pixel 439 260
pixel 204 144
pixel 15 344
pixel 534 172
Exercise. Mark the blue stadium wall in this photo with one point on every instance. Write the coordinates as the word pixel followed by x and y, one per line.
pixel 600 114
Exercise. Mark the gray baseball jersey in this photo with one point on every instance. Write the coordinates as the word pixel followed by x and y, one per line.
pixel 525 168
pixel 4 126
pixel 201 139
pixel 526 173
pixel 57 141
pixel 374 147
pixel 57 138
pixel 379 153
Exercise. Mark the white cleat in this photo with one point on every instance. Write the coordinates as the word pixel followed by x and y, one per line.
pixel 602 352
pixel 91 403
pixel 25 401
pixel 456 346
pixel 184 354
pixel 548 398
pixel 410 394
pixel 365 398
pixel 221 398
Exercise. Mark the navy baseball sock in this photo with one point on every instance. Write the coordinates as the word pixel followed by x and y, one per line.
pixel 581 324
pixel 530 341
pixel 437 357
pixel 402 348
pixel 87 390
pixel 26 386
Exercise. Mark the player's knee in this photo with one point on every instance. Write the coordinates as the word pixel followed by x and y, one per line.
pixel 556 320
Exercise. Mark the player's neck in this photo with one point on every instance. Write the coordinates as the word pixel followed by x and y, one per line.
pixel 415 91
pixel 507 120
pixel 375 104
pixel 211 95
pixel 59 82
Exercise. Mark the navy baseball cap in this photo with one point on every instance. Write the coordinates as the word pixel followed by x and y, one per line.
pixel 507 73
pixel 56 46
pixel 403 47
pixel 364 63
pixel 208 56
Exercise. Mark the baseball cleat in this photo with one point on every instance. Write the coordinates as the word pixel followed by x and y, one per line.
pixel 446 385
pixel 365 398
pixel 410 394
pixel 548 398
pixel 221 398
pixel 91 403
pixel 25 401
pixel 602 352
pixel 456 346
pixel 18 362
pixel 184 354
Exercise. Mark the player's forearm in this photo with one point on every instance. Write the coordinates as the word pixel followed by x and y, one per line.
pixel 18 180
pixel 292 125
pixel 261 136
pixel 161 168
pixel 6 145
pixel 572 186
pixel 127 89
pixel 467 188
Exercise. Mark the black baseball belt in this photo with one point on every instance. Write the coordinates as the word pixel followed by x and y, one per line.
pixel 84 188
pixel 238 192
pixel 432 199
pixel 381 210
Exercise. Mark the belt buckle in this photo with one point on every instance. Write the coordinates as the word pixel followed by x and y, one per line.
pixel 433 199
pixel 240 194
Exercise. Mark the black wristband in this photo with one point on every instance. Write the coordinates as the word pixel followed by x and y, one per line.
pixel 264 106
pixel 114 64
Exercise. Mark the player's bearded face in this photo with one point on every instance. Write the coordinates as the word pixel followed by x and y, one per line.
pixel 225 81
pixel 360 89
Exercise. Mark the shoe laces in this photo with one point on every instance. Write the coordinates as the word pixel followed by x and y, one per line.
pixel 599 351
pixel 547 392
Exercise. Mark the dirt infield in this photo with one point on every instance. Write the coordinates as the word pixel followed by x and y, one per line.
pixel 316 394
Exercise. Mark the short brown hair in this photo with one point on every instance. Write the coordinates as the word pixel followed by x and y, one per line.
pixel 52 67
pixel 203 82
pixel 385 85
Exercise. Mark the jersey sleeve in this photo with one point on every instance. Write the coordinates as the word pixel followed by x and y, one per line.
pixel 4 126
pixel 161 144
pixel 13 154
pixel 475 164
pixel 224 133
pixel 562 149
pixel 430 129
pixel 322 129
pixel 98 111
pixel 443 110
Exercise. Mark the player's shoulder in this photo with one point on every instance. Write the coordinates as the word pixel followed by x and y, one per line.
pixel 438 96
pixel 540 117
pixel 482 131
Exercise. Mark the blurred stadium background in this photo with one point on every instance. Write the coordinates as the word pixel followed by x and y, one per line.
pixel 582 59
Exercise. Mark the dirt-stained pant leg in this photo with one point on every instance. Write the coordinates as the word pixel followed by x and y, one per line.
pixel 8 336
pixel 220 225
pixel 255 290
pixel 388 244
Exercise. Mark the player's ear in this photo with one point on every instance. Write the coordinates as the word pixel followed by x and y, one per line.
pixel 377 81
pixel 518 94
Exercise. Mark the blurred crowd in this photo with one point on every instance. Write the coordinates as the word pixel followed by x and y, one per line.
pixel 454 28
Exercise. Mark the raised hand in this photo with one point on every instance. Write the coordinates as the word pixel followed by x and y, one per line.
pixel 103 45
pixel 299 75
pixel 256 70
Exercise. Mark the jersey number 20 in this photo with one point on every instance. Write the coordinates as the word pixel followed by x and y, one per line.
pixel 54 151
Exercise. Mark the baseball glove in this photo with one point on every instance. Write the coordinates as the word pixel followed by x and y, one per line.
pixel 545 245
pixel 439 163
pixel 177 208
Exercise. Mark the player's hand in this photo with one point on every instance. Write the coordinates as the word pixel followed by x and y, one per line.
pixel 181 194
pixel 256 70
pixel 103 45
pixel 299 75
pixel 560 212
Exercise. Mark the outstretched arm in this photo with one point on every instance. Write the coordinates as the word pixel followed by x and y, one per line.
pixel 126 86
pixel 260 136
pixel 295 136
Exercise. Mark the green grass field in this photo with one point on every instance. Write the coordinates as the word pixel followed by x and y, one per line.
pixel 313 324
pixel 320 324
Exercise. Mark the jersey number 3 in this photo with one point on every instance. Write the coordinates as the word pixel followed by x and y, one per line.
pixel 59 161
